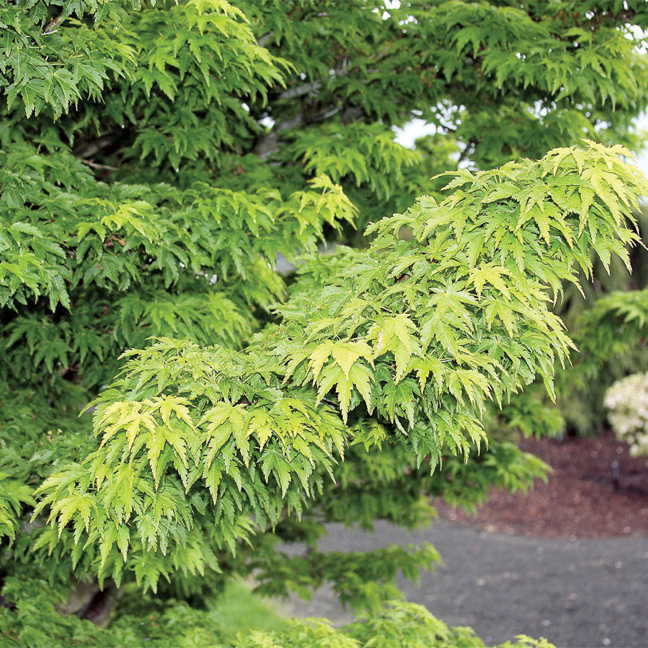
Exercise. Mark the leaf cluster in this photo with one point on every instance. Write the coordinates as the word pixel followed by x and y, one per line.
pixel 420 332
pixel 156 156
pixel 36 621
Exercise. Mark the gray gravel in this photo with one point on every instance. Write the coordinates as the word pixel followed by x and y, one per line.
pixel 576 593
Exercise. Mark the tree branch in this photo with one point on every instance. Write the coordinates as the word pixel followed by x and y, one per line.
pixel 94 147
pixel 301 90
pixel 265 39
pixel 464 154
pixel 53 24
pixel 269 143
pixel 99 167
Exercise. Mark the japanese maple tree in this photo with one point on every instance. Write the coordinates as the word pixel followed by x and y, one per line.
pixel 157 158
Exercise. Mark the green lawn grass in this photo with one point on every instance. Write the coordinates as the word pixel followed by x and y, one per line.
pixel 240 610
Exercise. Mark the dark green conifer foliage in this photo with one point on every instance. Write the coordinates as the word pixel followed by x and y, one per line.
pixel 155 158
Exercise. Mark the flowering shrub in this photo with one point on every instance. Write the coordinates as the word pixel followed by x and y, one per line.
pixel 627 402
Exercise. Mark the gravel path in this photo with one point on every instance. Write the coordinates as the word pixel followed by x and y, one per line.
pixel 576 593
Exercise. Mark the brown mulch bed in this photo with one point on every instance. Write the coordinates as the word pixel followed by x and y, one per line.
pixel 580 499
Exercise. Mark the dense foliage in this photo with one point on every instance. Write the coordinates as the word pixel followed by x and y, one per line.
pixel 155 159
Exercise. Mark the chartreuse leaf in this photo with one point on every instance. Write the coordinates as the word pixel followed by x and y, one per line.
pixel 159 163
pixel 207 446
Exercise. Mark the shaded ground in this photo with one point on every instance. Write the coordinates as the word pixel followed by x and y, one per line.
pixel 568 561
pixel 579 593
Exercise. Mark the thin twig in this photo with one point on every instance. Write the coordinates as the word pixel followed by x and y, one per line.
pixel 96 165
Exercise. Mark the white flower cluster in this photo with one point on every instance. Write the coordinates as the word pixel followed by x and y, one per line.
pixel 627 402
